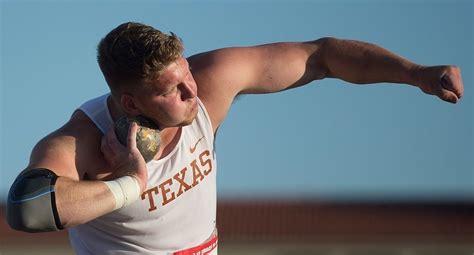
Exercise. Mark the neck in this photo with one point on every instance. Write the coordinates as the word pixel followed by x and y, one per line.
pixel 169 136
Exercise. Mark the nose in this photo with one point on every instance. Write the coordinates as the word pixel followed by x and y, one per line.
pixel 187 91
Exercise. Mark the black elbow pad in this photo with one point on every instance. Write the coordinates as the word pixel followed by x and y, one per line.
pixel 31 205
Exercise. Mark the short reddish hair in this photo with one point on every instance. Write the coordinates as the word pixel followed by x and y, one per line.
pixel 134 52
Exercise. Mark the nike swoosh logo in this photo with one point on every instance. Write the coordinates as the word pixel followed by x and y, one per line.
pixel 193 149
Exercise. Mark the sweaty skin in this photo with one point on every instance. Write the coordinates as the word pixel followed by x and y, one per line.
pixel 82 156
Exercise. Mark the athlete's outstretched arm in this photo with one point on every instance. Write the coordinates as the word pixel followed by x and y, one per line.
pixel 363 63
pixel 223 74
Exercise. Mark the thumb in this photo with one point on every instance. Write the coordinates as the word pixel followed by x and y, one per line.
pixel 132 135
pixel 447 96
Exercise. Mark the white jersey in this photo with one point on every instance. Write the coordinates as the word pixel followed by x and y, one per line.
pixel 177 211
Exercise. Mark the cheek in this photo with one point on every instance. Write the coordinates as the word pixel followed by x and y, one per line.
pixel 175 107
pixel 194 84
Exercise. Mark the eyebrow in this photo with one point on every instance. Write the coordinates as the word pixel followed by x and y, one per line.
pixel 164 89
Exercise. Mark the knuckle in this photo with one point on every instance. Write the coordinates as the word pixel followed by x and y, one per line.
pixel 454 69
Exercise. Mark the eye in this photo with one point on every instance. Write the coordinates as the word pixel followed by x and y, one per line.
pixel 169 92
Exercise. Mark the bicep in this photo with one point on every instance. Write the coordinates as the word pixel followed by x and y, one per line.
pixel 73 151
pixel 280 66
pixel 223 74
pixel 265 68
pixel 55 153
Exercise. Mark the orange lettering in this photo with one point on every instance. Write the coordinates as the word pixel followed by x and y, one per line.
pixel 150 198
pixel 196 173
pixel 206 162
pixel 165 191
pixel 181 181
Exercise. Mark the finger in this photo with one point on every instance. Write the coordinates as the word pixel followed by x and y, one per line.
pixel 106 150
pixel 112 138
pixel 132 135
pixel 445 94
pixel 453 83
pixel 448 96
pixel 109 134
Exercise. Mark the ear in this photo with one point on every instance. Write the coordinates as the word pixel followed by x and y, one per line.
pixel 127 101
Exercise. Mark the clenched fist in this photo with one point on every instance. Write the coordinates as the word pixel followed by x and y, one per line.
pixel 442 81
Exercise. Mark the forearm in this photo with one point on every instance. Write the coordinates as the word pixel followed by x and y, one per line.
pixel 78 202
pixel 362 63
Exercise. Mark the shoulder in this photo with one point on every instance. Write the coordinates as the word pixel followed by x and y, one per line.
pixel 219 79
pixel 72 151
pixel 222 61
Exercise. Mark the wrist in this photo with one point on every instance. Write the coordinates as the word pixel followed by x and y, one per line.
pixel 415 76
pixel 125 189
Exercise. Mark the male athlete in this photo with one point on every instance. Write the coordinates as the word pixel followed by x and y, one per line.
pixel 113 202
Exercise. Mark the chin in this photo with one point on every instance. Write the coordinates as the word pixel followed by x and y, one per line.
pixel 185 123
pixel 189 120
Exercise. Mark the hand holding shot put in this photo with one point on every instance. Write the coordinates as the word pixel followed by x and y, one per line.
pixel 127 164
pixel 127 146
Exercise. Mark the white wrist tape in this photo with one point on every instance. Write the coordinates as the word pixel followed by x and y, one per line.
pixel 125 189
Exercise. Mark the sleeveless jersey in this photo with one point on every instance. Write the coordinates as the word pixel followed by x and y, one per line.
pixel 177 211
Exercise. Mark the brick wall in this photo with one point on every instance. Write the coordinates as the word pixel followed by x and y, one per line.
pixel 310 221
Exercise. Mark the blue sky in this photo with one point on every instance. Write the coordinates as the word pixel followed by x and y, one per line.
pixel 327 140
